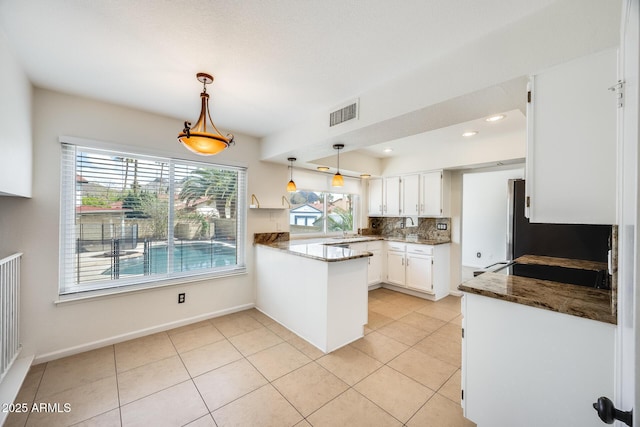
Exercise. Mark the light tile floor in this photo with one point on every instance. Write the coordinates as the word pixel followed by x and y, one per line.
pixel 246 370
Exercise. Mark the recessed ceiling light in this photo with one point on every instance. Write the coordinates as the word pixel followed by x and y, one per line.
pixel 323 168
pixel 388 150
pixel 495 118
pixel 470 133
pixel 365 175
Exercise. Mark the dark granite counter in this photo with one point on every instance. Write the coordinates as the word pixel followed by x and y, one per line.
pixel 581 301
pixel 562 262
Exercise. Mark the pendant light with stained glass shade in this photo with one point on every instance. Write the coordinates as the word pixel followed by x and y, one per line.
pixel 204 138
pixel 338 180
pixel 291 186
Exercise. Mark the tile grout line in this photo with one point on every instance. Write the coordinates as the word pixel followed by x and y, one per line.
pixel 36 393
pixel 404 351
pixel 311 360
pixel 115 368
pixel 190 378
pixel 263 376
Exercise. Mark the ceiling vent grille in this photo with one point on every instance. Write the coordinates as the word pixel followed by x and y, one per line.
pixel 344 114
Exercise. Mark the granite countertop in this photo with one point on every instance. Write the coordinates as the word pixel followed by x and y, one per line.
pixel 581 301
pixel 318 251
pixel 327 248
pixel 562 262
pixel 416 241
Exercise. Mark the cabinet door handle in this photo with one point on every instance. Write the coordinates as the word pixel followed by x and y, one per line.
pixel 407 262
pixel 402 261
pixel 416 208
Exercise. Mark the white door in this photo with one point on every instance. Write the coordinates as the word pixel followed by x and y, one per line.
pixel 375 268
pixel 431 192
pixel 410 195
pixel 392 196
pixel 627 357
pixel 375 197
pixel 395 268
pixel 419 272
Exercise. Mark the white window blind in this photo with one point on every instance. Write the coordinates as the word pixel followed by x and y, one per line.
pixel 129 219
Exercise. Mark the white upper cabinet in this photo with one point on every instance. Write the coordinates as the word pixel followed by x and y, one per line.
pixel 375 197
pixel 424 194
pixel 434 194
pixel 571 142
pixel 411 195
pixel 391 196
pixel 384 196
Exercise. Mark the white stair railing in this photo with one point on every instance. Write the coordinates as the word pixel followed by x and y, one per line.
pixel 10 345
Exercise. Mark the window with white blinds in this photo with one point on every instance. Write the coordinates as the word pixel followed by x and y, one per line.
pixel 129 219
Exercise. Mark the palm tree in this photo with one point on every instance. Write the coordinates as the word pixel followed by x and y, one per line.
pixel 215 185
pixel 135 186
pixel 340 220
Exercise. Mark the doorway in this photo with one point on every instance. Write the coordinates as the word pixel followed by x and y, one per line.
pixel 484 217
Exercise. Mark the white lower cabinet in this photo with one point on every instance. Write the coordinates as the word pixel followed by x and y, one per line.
pixel 375 266
pixel 528 367
pixel 417 267
pixel 374 269
pixel 419 272
pixel 395 264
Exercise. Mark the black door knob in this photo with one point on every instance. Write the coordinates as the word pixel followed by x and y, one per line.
pixel 608 413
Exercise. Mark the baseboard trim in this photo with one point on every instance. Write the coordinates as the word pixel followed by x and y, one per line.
pixel 46 357
pixel 12 382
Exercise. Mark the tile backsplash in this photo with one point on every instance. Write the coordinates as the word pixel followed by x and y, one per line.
pixel 424 228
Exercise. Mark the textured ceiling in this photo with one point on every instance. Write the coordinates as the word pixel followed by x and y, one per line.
pixel 274 61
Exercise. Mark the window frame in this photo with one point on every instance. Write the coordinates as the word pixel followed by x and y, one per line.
pixel 326 232
pixel 69 289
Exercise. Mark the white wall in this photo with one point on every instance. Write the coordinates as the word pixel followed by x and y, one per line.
pixel 15 122
pixel 456 154
pixel 32 226
pixel 455 209
pixel 484 216
pixel 537 42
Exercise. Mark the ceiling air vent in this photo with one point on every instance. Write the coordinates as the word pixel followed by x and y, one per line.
pixel 344 114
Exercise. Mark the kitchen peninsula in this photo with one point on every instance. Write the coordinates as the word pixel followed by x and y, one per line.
pixel 316 290
pixel 528 344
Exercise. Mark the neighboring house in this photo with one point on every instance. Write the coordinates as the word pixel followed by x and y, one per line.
pixel 305 215
pixel 343 203
pixel 80 182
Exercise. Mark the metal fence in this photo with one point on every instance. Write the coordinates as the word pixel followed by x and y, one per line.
pixel 94 237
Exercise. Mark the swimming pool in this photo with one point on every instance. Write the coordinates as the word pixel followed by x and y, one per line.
pixel 186 257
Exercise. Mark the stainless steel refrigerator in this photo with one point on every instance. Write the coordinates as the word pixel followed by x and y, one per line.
pixel 575 241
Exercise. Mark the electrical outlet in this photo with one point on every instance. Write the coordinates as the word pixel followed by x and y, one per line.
pixel 441 226
pixel 181 298
pixel 478 254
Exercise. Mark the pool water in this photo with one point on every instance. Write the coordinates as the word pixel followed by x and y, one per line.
pixel 187 256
